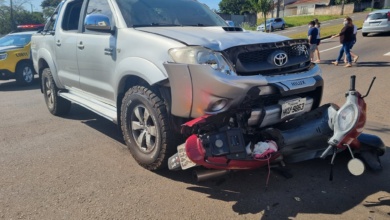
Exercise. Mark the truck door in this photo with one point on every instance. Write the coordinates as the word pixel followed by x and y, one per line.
pixel 65 44
pixel 96 52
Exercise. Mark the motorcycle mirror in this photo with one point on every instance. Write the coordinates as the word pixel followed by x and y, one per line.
pixel 356 167
pixel 369 88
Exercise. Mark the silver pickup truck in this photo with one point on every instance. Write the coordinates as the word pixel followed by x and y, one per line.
pixel 151 65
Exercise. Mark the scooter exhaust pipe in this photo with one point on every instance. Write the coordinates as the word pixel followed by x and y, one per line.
pixel 202 175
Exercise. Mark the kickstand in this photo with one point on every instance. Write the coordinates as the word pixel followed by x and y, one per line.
pixel 332 164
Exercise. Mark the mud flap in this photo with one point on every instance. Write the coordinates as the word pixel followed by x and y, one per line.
pixel 371 148
pixel 371 159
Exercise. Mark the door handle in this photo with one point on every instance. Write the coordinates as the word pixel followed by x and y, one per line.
pixel 58 43
pixel 108 51
pixel 80 45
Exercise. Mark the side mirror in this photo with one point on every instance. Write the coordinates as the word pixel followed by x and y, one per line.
pixel 97 22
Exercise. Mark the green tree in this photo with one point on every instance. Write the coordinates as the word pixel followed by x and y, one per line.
pixel 263 6
pixel 234 7
pixel 48 7
pixel 20 16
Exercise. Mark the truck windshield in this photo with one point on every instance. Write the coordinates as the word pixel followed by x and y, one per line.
pixel 143 13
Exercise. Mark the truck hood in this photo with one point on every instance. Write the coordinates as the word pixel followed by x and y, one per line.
pixel 6 48
pixel 215 38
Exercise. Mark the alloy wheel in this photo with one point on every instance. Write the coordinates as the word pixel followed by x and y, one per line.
pixel 143 128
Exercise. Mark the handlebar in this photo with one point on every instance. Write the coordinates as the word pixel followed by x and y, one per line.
pixel 352 83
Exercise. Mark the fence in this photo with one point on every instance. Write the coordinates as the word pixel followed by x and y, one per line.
pixel 251 19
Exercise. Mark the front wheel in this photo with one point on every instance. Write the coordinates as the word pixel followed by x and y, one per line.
pixel 24 73
pixel 282 27
pixel 145 127
pixel 56 104
pixel 364 34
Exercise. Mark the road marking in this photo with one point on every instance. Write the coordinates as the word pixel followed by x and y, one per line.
pixel 331 48
pixel 386 54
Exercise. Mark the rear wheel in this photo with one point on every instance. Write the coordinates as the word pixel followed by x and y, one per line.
pixel 145 127
pixel 24 73
pixel 364 34
pixel 56 104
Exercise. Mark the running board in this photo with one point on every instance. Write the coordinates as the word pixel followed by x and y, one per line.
pixel 100 108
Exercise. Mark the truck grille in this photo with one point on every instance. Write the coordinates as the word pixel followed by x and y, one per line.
pixel 259 58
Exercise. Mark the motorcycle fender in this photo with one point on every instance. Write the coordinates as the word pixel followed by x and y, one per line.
pixel 371 142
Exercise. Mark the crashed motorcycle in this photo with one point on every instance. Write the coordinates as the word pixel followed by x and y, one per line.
pixel 225 142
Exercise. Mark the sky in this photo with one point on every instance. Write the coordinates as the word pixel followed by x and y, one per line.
pixel 213 4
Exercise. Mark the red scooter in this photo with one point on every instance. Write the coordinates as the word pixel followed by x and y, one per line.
pixel 224 142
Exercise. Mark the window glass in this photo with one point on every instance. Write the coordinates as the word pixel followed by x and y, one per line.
pixel 377 16
pixel 143 13
pixel 15 40
pixel 71 16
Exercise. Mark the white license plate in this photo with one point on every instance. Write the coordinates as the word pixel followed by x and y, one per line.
pixel 293 106
pixel 185 162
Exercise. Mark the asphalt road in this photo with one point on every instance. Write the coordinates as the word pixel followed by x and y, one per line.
pixel 78 167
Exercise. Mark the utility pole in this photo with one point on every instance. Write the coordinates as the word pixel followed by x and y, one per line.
pixel 11 15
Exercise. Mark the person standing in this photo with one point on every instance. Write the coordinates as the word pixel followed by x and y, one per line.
pixel 317 51
pixel 346 39
pixel 312 37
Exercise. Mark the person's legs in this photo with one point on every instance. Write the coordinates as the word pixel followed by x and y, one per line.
pixel 317 51
pixel 317 54
pixel 347 51
pixel 341 52
pixel 347 46
pixel 312 49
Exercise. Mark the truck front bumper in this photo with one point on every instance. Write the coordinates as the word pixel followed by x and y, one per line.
pixel 198 89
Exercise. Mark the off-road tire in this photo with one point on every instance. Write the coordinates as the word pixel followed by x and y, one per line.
pixel 145 127
pixel 364 34
pixel 57 105
pixel 24 73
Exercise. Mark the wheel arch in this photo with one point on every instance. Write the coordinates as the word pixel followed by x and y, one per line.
pixel 46 60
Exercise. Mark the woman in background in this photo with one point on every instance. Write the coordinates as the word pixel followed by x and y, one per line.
pixel 317 51
pixel 346 39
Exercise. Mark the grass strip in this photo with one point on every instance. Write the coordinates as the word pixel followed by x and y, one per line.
pixel 326 31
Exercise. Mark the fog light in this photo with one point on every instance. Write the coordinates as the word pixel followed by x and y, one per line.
pixel 219 105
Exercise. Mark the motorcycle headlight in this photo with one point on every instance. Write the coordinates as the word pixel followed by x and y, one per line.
pixel 3 56
pixel 346 118
pixel 202 56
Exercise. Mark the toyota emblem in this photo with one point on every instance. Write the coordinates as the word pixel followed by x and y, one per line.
pixel 280 59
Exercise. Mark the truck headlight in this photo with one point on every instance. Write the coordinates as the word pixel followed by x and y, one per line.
pixel 3 56
pixel 346 118
pixel 202 56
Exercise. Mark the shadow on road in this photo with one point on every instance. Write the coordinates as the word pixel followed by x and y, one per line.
pixel 308 191
pixel 358 64
pixel 11 85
